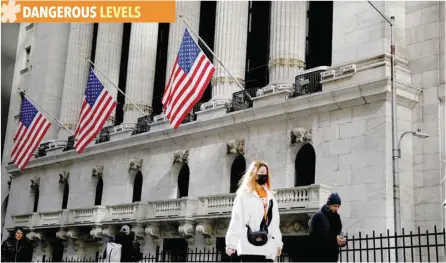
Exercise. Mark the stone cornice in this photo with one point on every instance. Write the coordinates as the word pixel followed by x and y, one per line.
pixel 359 94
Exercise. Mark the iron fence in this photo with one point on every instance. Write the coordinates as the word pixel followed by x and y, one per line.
pixel 408 247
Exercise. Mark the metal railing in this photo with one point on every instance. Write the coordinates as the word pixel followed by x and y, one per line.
pixel 242 99
pixel 407 247
pixel 308 82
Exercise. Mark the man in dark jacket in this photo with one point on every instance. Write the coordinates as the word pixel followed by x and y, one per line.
pixel 17 248
pixel 325 227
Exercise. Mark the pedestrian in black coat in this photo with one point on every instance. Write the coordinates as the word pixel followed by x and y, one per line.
pixel 325 228
pixel 129 251
pixel 17 248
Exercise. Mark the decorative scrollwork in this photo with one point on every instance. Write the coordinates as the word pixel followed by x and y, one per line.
pixel 289 227
pixel 110 231
pixel 205 229
pixel 34 236
pixel 235 147
pixel 153 231
pixel 301 135
pixel 287 62
pixel 146 108
pixel 61 234
pixel 226 80
pixel 135 164
pixel 35 183
pixel 181 157
pixel 63 177
pixel 138 229
pixel 96 232
pixel 187 229
pixel 220 229
pixel 97 171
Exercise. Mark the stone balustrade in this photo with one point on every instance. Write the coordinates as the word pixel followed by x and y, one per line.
pixel 89 215
pixel 56 218
pixel 305 199
pixel 127 212
pixel 26 220
pixel 184 207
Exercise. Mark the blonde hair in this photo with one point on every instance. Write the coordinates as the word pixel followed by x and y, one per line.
pixel 248 181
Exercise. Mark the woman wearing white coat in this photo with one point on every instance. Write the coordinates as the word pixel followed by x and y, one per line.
pixel 254 231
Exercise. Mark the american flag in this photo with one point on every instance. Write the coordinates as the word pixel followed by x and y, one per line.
pixel 97 107
pixel 188 80
pixel 32 128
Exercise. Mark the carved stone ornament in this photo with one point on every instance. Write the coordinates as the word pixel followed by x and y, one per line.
pixel 235 147
pixel 187 229
pixel 138 229
pixel 96 232
pixel 219 229
pixel 288 227
pixel 301 135
pixel 168 231
pixel 63 177
pixel 204 228
pixel 110 231
pixel 181 157
pixel 34 236
pixel 135 164
pixel 35 182
pixel 73 233
pixel 61 234
pixel 97 171
pixel 153 231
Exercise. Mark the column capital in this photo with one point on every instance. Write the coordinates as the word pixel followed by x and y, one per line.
pixel 287 62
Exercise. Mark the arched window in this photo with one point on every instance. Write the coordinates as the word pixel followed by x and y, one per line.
pixel 36 199
pixel 183 181
pixel 305 166
pixel 137 187
pixel 237 170
pixel 66 191
pixel 99 187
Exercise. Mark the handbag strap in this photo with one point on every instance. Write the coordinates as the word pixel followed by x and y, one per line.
pixel 263 224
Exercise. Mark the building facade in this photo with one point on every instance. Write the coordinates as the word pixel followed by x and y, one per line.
pixel 316 105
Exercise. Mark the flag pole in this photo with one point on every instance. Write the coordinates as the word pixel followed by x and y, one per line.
pixel 115 86
pixel 23 93
pixel 204 43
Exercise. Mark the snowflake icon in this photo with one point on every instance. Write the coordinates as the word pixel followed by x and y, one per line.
pixel 9 12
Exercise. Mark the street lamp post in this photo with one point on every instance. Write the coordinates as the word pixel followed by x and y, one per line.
pixel 395 163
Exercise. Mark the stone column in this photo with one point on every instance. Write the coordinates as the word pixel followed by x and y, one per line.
pixel 76 73
pixel 141 70
pixel 191 12
pixel 49 55
pixel 287 41
pixel 108 57
pixel 231 29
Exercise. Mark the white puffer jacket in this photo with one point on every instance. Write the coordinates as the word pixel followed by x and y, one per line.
pixel 248 209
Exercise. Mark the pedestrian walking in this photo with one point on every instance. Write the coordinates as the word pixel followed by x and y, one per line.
pixel 325 228
pixel 254 232
pixel 17 248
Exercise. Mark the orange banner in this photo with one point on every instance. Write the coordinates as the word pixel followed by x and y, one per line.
pixel 87 11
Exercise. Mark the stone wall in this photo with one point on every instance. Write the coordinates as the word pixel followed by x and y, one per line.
pixel 426 60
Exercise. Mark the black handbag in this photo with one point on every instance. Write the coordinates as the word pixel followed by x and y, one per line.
pixel 260 238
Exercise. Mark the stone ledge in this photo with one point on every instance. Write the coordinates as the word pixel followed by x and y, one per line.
pixel 353 95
